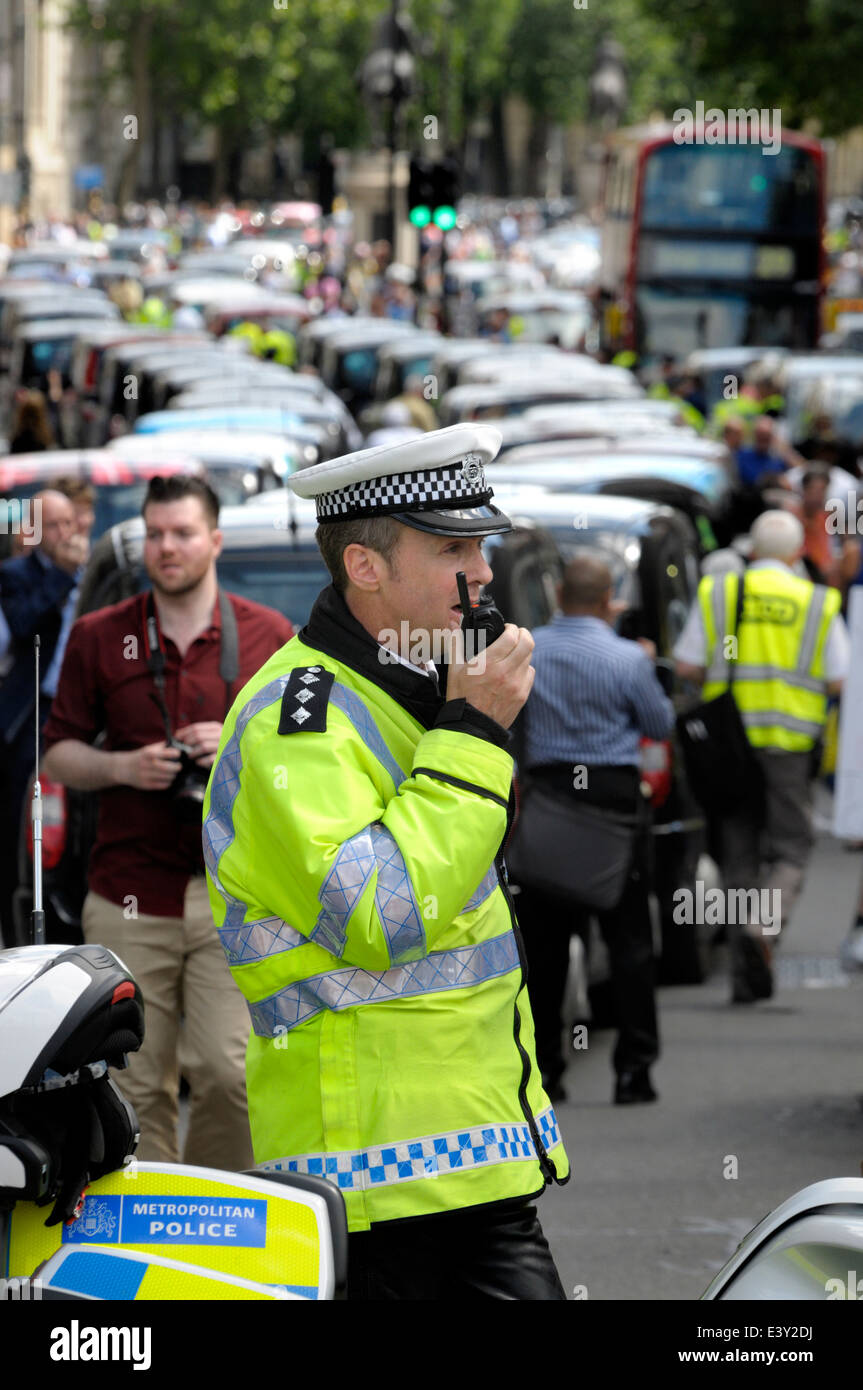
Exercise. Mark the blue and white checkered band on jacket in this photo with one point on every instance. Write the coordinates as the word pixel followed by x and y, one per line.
pixel 458 485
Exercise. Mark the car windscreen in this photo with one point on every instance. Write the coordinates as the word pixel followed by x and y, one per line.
pixel 620 552
pixel 415 366
pixel 44 355
pixel 357 370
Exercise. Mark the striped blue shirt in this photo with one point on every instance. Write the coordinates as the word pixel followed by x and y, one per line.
pixel 595 695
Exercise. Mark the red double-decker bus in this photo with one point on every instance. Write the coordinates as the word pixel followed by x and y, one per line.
pixel 711 245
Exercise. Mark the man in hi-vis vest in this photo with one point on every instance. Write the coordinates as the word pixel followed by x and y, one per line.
pixel 792 652
pixel 353 831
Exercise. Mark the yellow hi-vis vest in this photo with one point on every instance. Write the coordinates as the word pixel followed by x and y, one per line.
pixel 354 870
pixel 779 683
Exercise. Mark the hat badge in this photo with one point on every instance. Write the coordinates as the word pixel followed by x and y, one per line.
pixel 471 470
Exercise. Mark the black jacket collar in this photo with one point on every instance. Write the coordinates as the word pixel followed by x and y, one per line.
pixel 333 629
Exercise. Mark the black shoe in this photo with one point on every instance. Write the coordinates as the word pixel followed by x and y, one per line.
pixel 634 1088
pixel 756 978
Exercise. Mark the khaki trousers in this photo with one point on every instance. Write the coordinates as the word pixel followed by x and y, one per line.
pixel 180 967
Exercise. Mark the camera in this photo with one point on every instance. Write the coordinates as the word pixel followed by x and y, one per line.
pixel 188 787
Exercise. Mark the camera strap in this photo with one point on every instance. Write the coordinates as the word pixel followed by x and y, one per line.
pixel 229 651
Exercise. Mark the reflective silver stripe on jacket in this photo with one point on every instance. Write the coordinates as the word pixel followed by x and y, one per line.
pixel 218 828
pixel 772 719
pixel 358 713
pixel 799 676
pixel 810 631
pixel 778 673
pixel 254 940
pixel 718 668
pixel 461 968
pixel 270 935
pixel 383 1165
pixel 372 850
pixel 484 890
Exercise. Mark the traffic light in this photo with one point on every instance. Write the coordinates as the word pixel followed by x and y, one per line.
pixel 433 191
pixel 447 180
pixel 421 192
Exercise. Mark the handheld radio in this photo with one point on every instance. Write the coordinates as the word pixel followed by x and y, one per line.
pixel 481 622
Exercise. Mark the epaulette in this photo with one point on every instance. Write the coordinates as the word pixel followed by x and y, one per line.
pixel 305 700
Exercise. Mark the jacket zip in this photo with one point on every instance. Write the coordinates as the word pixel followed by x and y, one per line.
pixel 548 1169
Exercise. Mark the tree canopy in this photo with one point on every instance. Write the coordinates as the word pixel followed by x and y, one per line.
pixel 248 68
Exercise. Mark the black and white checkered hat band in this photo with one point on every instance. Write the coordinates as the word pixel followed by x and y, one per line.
pixel 435 488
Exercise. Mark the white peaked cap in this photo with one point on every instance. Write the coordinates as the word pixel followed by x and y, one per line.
pixel 434 483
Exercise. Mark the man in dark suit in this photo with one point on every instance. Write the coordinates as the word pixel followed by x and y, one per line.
pixel 37 594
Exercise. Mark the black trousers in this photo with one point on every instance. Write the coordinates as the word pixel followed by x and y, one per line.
pixel 547 924
pixel 548 921
pixel 467 1254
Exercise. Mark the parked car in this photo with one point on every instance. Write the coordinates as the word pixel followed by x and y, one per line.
pixel 285 311
pixel 406 357
pixel 837 397
pixel 180 375
pixel 242 419
pixel 452 352
pixel 148 361
pixel 87 423
pixel 349 360
pixel 20 303
pixel 716 366
pixel 540 316
pixel 145 247
pixel 800 374
pixel 40 348
pixel 267 457
pixel 652 551
pixel 489 402
pixel 129 374
pixel 595 421
pixel 671 443
pixel 42 257
pixel 104 373
pixel 313 336
pixel 701 488
pixel 496 368
pixel 288 396
pixel 119 484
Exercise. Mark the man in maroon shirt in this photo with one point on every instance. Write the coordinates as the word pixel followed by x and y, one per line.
pixel 126 667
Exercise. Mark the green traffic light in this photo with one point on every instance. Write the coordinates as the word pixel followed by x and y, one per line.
pixel 445 218
pixel 420 216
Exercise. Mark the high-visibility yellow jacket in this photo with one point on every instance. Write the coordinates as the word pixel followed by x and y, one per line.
pixel 352 834
pixel 779 683
pixel 279 345
pixel 661 391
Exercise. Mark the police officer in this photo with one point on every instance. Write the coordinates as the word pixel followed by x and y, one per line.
pixel 792 651
pixel 352 836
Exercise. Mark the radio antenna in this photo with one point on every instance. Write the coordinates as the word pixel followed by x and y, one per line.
pixel 37 916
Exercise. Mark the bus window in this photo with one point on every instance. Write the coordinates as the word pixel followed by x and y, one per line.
pixel 731 188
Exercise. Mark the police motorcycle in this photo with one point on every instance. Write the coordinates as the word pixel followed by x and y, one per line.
pixel 80 1216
